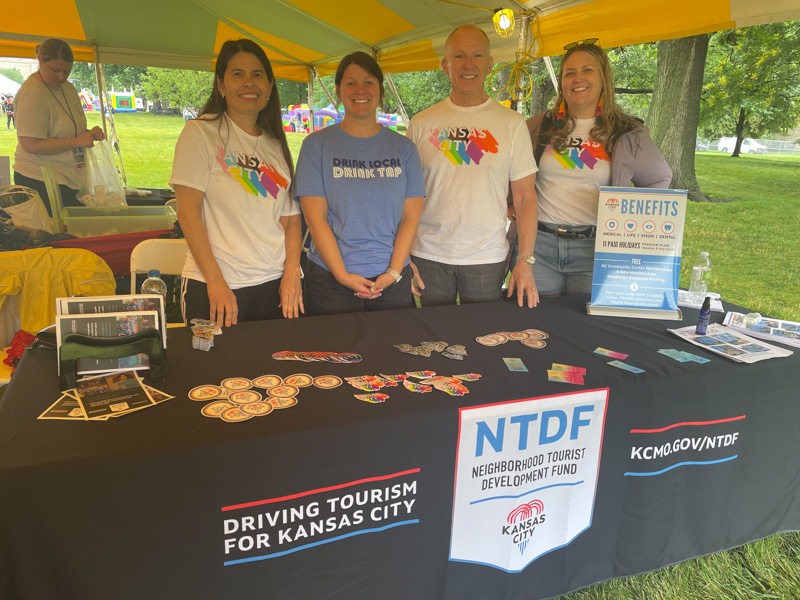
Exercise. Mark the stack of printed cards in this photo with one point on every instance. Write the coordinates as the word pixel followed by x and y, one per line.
pixel 532 338
pixel 618 363
pixel 332 357
pixel 102 397
pixel 455 352
pixel 566 374
pixel 681 356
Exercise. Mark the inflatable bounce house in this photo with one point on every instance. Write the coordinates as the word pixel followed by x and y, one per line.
pixel 122 101
pixel 89 101
pixel 296 117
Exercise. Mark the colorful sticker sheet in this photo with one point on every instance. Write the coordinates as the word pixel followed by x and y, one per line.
pixel 419 382
pixel 331 357
pixel 611 353
pixel 532 338
pixel 454 352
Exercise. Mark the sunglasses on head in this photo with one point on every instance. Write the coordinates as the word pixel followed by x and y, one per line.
pixel 586 42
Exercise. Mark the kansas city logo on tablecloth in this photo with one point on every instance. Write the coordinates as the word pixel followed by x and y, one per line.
pixel 522 522
pixel 463 145
pixel 513 460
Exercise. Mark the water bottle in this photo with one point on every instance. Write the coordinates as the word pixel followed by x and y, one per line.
pixel 154 284
pixel 701 273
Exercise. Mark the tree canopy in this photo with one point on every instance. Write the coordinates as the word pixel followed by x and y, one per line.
pixel 752 85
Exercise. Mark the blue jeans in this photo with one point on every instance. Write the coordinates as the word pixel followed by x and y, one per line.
pixel 469 283
pixel 562 265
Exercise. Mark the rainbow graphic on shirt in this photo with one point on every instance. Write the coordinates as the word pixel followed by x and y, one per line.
pixel 463 145
pixel 579 154
pixel 256 177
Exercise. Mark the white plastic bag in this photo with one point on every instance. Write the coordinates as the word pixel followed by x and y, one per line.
pixel 100 181
pixel 25 207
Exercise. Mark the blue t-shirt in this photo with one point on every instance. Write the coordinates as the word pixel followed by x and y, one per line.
pixel 366 182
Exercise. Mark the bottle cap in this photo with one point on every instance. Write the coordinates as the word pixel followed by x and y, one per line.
pixel 704 254
pixel 707 303
pixel 154 273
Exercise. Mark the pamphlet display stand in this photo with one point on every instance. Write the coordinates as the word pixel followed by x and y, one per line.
pixel 637 255
pixel 75 346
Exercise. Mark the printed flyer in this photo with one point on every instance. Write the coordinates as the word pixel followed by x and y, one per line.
pixel 638 252
pixel 526 477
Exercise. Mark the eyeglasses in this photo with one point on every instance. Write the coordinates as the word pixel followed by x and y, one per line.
pixel 586 42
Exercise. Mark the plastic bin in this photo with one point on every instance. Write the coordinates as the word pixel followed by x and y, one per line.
pixel 84 221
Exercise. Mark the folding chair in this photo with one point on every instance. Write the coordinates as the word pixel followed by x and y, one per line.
pixel 166 255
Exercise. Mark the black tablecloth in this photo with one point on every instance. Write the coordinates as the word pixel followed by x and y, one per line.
pixel 136 507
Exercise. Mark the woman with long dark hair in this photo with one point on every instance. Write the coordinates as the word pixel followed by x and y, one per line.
pixel 585 141
pixel 232 177
pixel 51 126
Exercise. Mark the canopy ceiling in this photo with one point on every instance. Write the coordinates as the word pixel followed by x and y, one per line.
pixel 409 34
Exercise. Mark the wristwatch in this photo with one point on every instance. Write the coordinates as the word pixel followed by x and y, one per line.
pixel 395 274
pixel 528 258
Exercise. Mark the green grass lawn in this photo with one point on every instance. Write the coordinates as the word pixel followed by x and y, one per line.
pixel 755 254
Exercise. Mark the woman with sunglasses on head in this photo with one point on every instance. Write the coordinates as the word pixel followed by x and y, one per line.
pixel 585 141
pixel 51 126
pixel 232 178
pixel 361 187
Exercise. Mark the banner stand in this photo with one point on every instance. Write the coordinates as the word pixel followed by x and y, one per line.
pixel 637 254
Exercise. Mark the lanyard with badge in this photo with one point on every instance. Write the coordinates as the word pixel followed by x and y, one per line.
pixel 78 154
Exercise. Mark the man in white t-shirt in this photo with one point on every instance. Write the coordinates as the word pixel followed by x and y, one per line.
pixel 473 149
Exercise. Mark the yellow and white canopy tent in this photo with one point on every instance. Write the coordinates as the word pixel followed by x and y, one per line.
pixel 306 38
pixel 408 35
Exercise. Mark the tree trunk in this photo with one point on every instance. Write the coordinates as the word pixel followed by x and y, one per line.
pixel 737 149
pixel 540 94
pixel 675 108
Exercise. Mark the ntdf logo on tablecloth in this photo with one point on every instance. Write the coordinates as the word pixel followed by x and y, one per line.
pixel 513 460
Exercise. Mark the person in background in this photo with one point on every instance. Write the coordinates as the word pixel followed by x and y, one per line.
pixel 473 150
pixel 51 126
pixel 232 177
pixel 585 141
pixel 361 189
pixel 9 110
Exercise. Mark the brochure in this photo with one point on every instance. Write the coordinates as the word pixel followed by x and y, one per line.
pixel 85 305
pixel 106 325
pixel 112 395
pixel 774 330
pixel 731 344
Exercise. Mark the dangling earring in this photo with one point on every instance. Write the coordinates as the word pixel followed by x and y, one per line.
pixel 598 115
pixel 223 96
pixel 560 115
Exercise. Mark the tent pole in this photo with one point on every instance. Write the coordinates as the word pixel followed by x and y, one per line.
pixel 101 86
pixel 312 72
pixel 552 72
pixel 522 47
pixel 109 129
pixel 331 99
pixel 400 105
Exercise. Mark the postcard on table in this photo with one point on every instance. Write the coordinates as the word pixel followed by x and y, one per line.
pixel 104 396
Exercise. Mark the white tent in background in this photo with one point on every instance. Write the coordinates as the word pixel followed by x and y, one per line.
pixel 8 86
